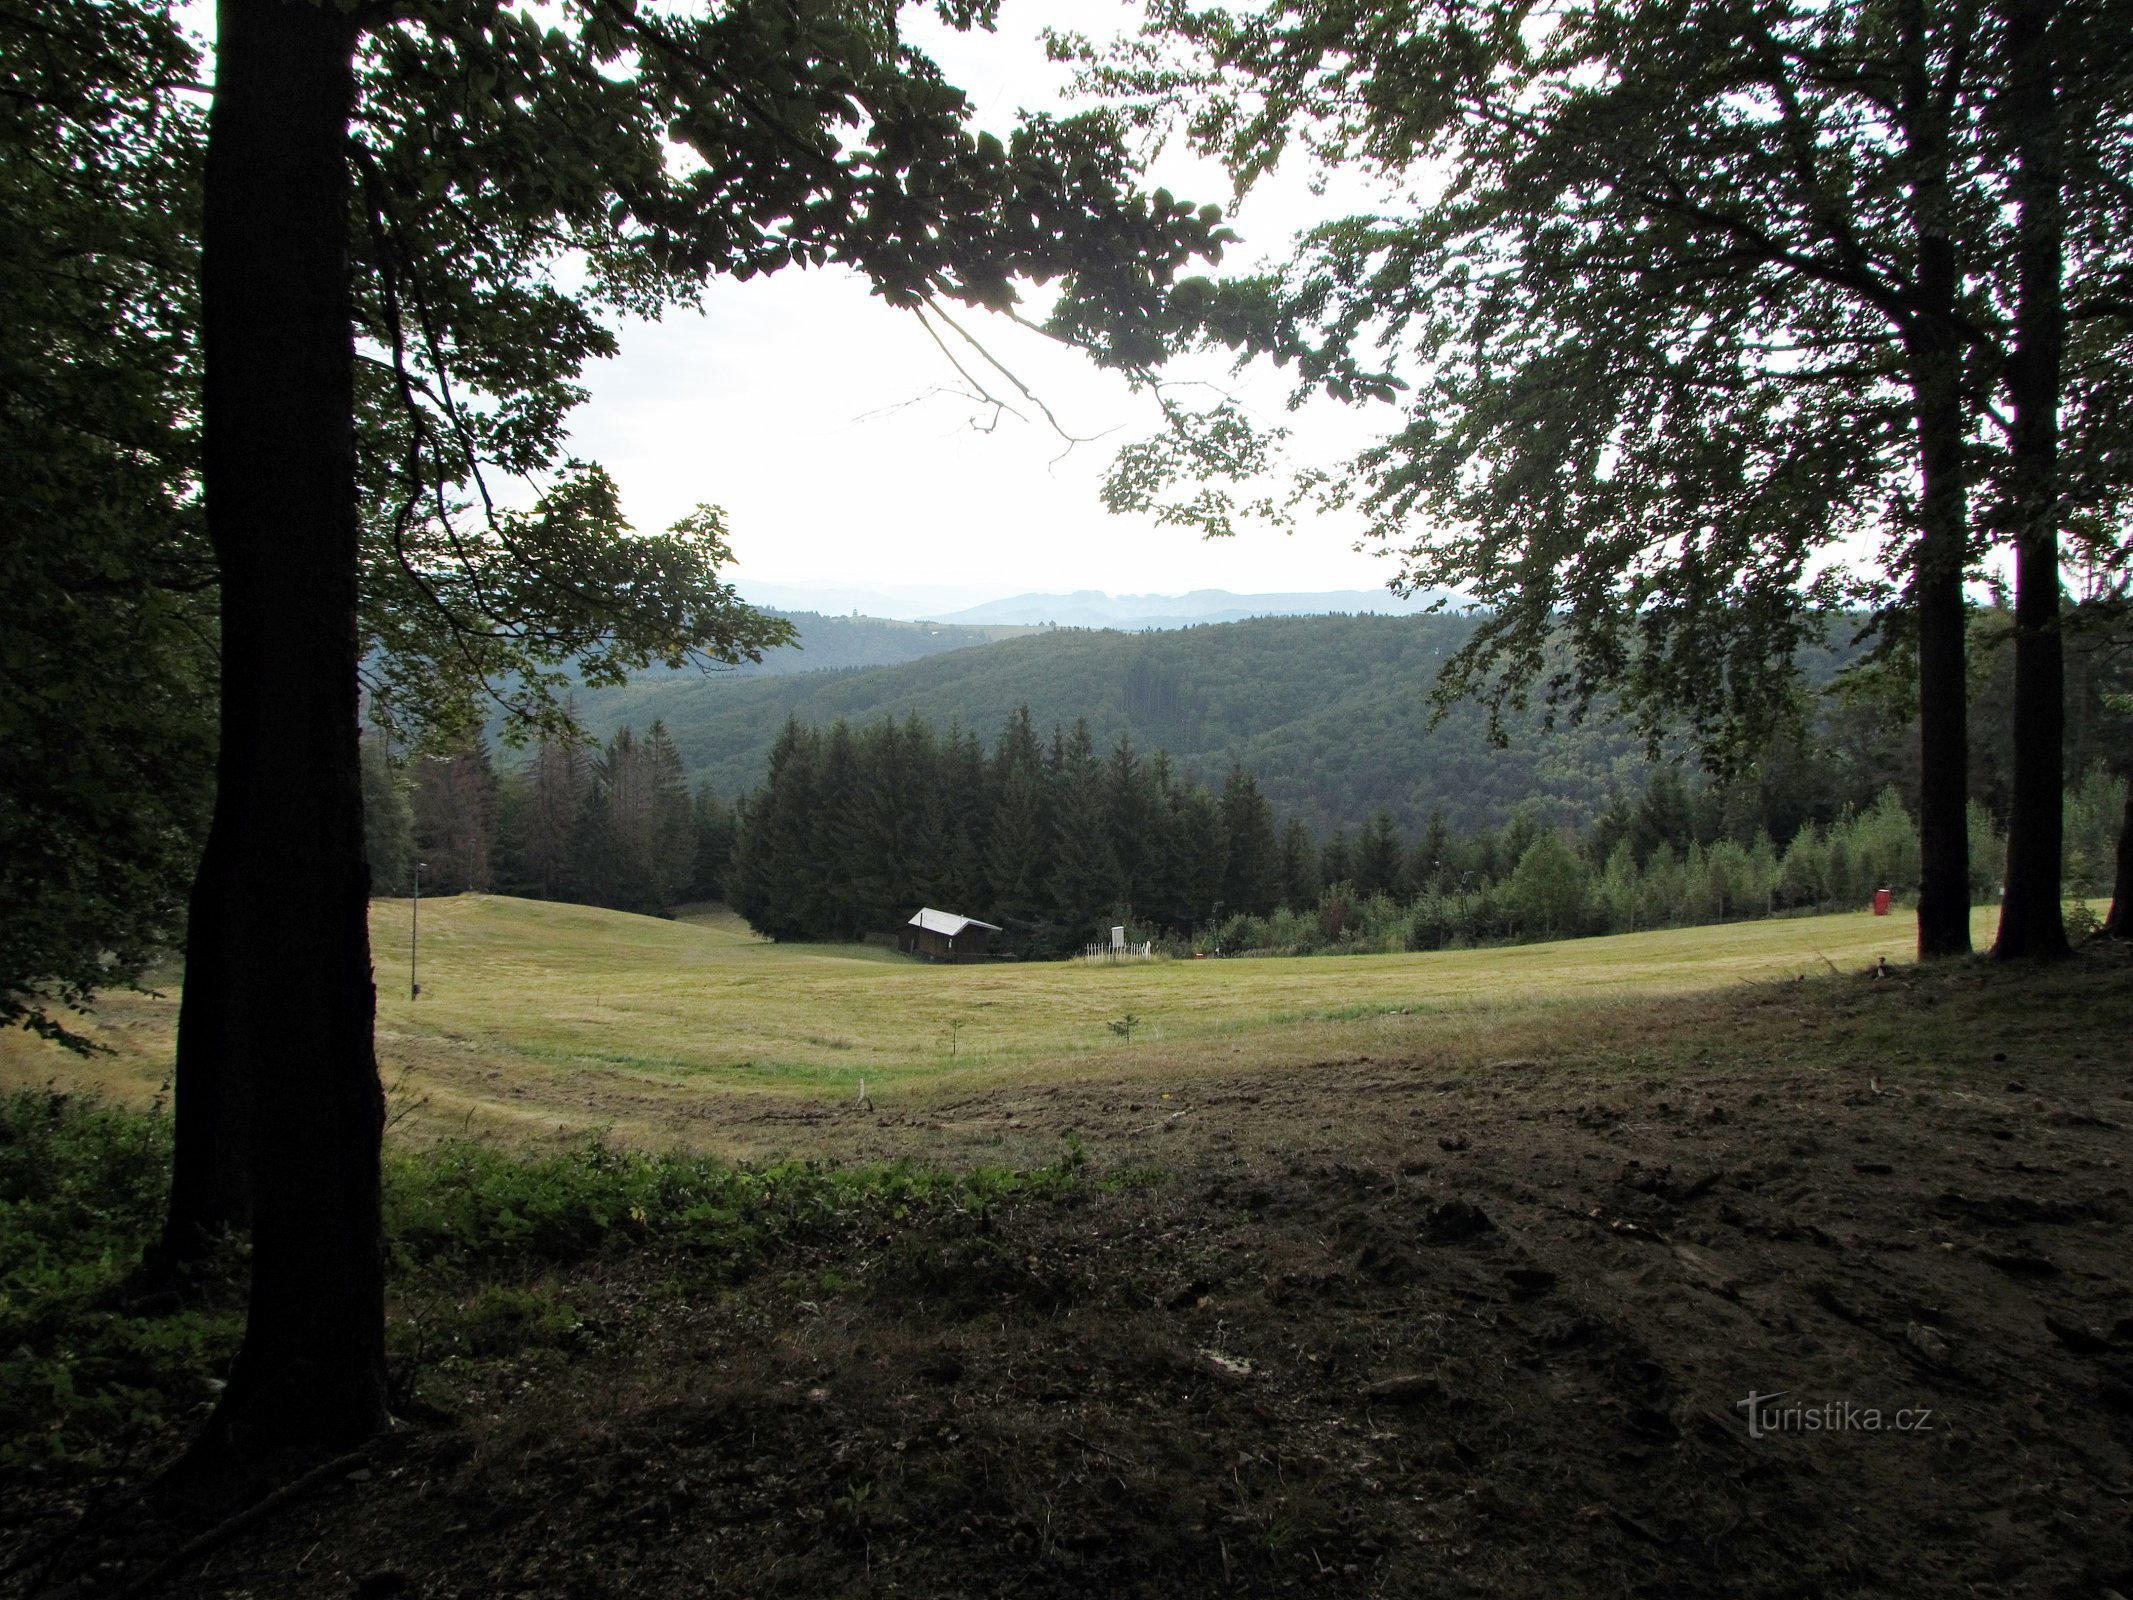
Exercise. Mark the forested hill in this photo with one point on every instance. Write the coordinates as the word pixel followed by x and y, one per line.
pixel 1331 714
pixel 830 643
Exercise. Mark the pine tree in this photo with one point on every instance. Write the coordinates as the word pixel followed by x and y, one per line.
pixel 713 824
pixel 1663 816
pixel 1252 873
pixel 548 820
pixel 1300 881
pixel 455 819
pixel 388 824
pixel 1378 856
pixel 1335 863
pixel 965 798
pixel 1085 879
pixel 1134 808
pixel 775 884
pixel 1198 856
pixel 1016 858
pixel 1430 867
pixel 669 842
pixel 884 822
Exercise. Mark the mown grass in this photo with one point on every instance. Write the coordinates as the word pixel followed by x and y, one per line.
pixel 565 984
pixel 533 1001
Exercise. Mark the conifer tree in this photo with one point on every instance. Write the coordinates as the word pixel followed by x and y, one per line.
pixel 1196 858
pixel 1135 807
pixel 668 843
pixel 1300 880
pixel 455 819
pixel 388 823
pixel 712 824
pixel 1429 864
pixel 1085 881
pixel 1252 872
pixel 550 814
pixel 1336 863
pixel 1017 861
pixel 1378 856
pixel 774 842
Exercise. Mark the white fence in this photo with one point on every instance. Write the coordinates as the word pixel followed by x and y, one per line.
pixel 1107 953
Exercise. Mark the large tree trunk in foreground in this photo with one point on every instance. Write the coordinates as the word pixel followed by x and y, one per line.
pixel 294 955
pixel 2031 921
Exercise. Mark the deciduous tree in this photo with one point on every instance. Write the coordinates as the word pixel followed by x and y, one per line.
pixel 1691 295
pixel 487 147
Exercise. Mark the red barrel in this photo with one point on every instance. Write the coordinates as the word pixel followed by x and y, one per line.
pixel 1881 902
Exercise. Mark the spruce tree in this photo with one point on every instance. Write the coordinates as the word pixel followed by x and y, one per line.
pixel 1300 880
pixel 547 821
pixel 1198 857
pixel 670 838
pixel 775 884
pixel 1252 871
pixel 1085 884
pixel 1017 861
pixel 1134 809
pixel 1378 856
pixel 712 824
pixel 388 824
pixel 1336 860
pixel 454 807
pixel 1429 864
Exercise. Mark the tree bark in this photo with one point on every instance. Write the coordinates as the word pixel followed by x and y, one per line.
pixel 2032 923
pixel 1933 350
pixel 289 950
pixel 1938 614
pixel 211 1170
pixel 2119 924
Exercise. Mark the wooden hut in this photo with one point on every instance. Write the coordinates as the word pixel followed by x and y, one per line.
pixel 944 936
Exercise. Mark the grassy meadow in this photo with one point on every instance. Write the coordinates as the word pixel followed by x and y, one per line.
pixel 548 1021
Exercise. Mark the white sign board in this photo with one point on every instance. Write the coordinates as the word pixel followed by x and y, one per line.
pixel 1118 938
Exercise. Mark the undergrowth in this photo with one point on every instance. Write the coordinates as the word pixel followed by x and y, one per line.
pixel 83 1379
pixel 478 1240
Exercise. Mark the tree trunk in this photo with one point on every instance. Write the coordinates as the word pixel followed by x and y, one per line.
pixel 211 1174
pixel 297 1003
pixel 1943 689
pixel 1933 350
pixel 2119 924
pixel 2031 921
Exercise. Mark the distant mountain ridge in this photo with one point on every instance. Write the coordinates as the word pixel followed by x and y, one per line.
pixel 835 644
pixel 1094 608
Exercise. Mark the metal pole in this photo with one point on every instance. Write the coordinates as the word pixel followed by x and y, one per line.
pixel 414 929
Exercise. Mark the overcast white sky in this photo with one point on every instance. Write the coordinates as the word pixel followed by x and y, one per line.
pixel 821 420
pixel 827 426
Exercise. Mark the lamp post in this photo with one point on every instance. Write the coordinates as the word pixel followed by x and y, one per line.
pixel 414 929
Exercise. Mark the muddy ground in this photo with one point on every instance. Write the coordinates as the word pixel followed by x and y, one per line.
pixel 1412 1326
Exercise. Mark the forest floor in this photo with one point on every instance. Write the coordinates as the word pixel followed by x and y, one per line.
pixel 1468 1311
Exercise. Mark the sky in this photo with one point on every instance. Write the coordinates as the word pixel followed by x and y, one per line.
pixel 842 447
pixel 831 431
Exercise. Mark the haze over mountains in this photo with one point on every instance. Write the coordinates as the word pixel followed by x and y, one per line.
pixel 1084 608
pixel 1091 608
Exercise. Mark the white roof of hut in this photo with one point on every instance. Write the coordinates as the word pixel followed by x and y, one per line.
pixel 947 922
